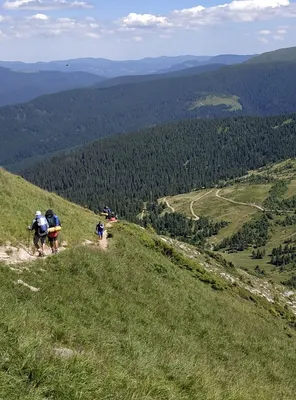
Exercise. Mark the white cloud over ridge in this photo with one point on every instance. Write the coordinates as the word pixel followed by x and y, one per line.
pixel 36 5
pixel 198 16
pixel 65 19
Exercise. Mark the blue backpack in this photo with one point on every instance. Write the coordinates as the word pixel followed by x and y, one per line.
pixel 42 226
pixel 53 221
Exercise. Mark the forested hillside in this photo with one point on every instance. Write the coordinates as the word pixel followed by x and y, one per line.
pixel 281 55
pixel 126 170
pixel 67 119
pixel 18 86
pixel 194 71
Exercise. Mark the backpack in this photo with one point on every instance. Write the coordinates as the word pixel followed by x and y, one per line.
pixel 100 227
pixel 53 220
pixel 42 226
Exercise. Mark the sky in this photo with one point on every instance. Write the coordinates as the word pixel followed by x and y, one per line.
pixel 44 30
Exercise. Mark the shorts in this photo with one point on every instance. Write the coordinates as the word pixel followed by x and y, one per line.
pixel 100 233
pixel 53 239
pixel 39 238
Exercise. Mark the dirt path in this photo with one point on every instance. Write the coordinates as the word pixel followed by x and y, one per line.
pixel 238 202
pixel 196 217
pixel 104 242
pixel 169 206
pixel 11 255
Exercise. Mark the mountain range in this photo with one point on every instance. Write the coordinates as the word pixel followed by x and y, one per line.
pixel 18 86
pixel 71 118
pixel 112 68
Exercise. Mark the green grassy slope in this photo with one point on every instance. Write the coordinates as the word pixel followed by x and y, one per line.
pixel 18 202
pixel 207 203
pixel 282 55
pixel 141 326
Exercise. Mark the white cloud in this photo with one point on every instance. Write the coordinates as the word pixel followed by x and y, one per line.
pixel 42 25
pixel 264 40
pixel 236 10
pixel 138 39
pixel 42 17
pixel 278 37
pixel 134 20
pixel 278 34
pixel 196 17
pixel 93 35
pixel 44 4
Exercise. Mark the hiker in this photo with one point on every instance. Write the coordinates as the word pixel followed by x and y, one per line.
pixel 40 225
pixel 100 230
pixel 53 222
pixel 113 217
pixel 106 210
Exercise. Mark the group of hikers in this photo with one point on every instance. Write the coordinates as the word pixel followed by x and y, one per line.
pixel 49 225
pixel 45 226
pixel 110 215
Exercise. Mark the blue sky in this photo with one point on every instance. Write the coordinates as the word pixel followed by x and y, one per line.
pixel 32 30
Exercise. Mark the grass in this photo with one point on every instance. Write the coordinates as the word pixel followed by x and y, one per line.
pixel 142 328
pixel 231 102
pixel 19 201
pixel 237 215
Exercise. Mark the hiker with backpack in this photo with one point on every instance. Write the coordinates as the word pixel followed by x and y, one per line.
pixel 53 234
pixel 100 230
pixel 40 226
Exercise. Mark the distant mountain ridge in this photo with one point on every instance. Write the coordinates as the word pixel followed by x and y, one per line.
pixel 104 67
pixel 224 59
pixel 114 68
pixel 126 79
pixel 73 118
pixel 18 87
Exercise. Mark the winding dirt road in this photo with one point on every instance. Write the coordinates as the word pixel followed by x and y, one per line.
pixel 169 206
pixel 196 217
pixel 238 202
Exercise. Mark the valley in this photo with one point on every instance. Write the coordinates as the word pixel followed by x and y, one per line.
pixel 148 302
pixel 189 290
pixel 243 200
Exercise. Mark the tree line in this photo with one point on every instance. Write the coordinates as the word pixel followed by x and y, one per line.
pixel 72 118
pixel 124 171
pixel 178 226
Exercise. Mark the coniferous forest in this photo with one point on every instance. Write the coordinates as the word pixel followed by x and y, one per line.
pixel 125 170
pixel 56 122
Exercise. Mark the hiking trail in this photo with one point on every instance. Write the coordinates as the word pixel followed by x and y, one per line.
pixel 169 206
pixel 11 255
pixel 196 217
pixel 239 202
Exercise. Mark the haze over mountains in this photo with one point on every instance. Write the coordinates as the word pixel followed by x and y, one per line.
pixel 19 86
pixel 76 117
pixel 112 68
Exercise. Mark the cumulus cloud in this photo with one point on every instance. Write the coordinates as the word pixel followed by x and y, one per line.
pixel 42 17
pixel 42 25
pixel 44 4
pixel 265 35
pixel 236 10
pixel 134 20
pixel 198 16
